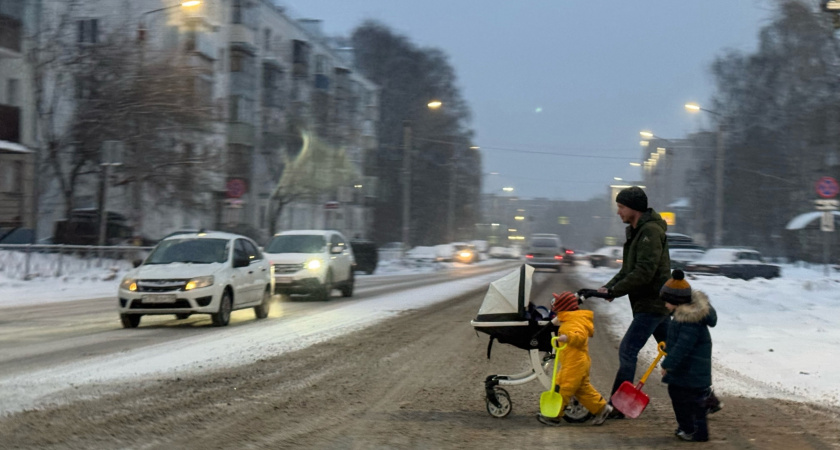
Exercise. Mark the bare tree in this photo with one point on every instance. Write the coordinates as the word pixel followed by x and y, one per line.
pixel 779 106
pixel 318 168
pixel 93 86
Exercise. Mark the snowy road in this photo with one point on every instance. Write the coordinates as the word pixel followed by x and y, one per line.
pixel 51 347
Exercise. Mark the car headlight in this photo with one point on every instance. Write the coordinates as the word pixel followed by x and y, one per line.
pixel 313 265
pixel 199 282
pixel 129 284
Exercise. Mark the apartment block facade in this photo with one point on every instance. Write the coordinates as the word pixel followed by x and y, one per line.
pixel 17 159
pixel 269 78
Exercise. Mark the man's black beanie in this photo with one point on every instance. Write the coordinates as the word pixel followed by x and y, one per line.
pixel 633 197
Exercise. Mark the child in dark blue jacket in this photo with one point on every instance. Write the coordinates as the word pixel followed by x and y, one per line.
pixel 688 367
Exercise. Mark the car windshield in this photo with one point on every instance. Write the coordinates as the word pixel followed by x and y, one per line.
pixel 196 251
pixel 544 243
pixel 296 243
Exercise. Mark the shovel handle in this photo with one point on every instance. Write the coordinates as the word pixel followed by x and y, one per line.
pixel 661 348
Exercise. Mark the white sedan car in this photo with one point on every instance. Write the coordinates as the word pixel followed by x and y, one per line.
pixel 198 273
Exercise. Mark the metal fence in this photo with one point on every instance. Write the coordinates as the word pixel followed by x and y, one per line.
pixel 29 261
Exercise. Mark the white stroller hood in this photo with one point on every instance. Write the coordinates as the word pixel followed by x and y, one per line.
pixel 506 313
pixel 508 297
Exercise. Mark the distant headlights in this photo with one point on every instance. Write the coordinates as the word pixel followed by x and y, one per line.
pixel 199 282
pixel 313 265
pixel 129 284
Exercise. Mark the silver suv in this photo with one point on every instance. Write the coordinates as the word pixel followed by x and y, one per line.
pixel 312 262
pixel 545 251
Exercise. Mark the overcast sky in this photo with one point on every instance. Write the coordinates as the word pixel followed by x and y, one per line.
pixel 575 78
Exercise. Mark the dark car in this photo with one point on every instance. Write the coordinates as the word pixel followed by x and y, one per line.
pixel 610 256
pixel 679 240
pixel 17 235
pixel 733 262
pixel 82 228
pixel 366 255
pixel 569 257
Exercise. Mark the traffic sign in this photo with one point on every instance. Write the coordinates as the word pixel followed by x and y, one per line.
pixel 827 222
pixel 235 188
pixel 827 187
pixel 827 204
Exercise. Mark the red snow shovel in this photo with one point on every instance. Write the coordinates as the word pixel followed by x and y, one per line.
pixel 630 399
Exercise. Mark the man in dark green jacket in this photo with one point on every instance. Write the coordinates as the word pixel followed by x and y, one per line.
pixel 645 268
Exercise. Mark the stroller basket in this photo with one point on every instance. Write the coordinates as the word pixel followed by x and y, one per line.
pixel 527 334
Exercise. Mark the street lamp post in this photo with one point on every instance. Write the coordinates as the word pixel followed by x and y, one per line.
pixel 111 156
pixel 720 154
pixel 406 212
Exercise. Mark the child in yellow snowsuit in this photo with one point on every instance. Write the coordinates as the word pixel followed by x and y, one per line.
pixel 576 327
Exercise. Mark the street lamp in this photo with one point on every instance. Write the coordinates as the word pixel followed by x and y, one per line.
pixel 112 156
pixel 719 168
pixel 406 212
pixel 141 29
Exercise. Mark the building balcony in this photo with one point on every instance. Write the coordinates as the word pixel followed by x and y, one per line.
pixel 242 34
pixel 240 133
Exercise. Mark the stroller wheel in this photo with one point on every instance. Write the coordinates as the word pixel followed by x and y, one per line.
pixel 576 413
pixel 504 400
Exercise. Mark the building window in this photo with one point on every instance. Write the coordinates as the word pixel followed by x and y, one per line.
pixel 10 177
pixel 267 39
pixel 236 16
pixel 13 92
pixel 88 31
pixel 241 109
pixel 271 86
pixel 237 62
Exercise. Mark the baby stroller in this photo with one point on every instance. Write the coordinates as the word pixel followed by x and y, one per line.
pixel 508 316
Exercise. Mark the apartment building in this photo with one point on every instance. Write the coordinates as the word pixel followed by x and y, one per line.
pixel 17 159
pixel 269 79
pixel 288 80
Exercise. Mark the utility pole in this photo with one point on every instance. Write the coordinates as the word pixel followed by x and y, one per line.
pixel 450 213
pixel 406 212
pixel 719 184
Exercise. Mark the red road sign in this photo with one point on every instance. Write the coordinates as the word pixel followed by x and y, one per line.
pixel 827 187
pixel 235 188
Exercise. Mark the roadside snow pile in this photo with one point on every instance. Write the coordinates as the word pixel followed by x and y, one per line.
pixel 774 338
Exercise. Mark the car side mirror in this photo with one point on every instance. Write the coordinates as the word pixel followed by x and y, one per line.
pixel 336 250
pixel 136 263
pixel 241 262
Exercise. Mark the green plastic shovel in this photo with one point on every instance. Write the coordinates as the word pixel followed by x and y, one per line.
pixel 551 402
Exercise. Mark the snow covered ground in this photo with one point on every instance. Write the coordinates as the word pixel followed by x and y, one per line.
pixel 774 338
pixel 224 347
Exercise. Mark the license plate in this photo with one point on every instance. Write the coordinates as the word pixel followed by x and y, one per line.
pixel 283 280
pixel 159 298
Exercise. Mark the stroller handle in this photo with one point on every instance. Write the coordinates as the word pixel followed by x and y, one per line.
pixel 583 294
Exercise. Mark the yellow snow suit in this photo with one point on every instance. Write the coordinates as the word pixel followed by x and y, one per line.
pixel 573 376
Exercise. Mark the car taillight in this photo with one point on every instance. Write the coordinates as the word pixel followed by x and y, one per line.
pixel 558 257
pixel 529 256
pixel 570 252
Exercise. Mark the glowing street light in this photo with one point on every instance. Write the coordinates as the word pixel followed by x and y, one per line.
pixel 646 134
pixel 507 189
pixel 434 104
pixel 635 164
pixel 719 169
